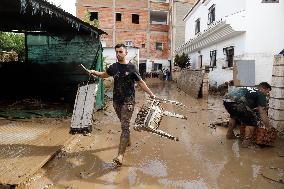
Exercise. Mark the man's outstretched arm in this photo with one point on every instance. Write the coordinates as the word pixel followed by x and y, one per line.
pixel 99 74
pixel 145 88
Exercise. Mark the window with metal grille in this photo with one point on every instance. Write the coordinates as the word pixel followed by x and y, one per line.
pixel 94 16
pixel 229 52
pixel 135 18
pixel 159 46
pixel 118 17
pixel 197 26
pixel 213 59
pixel 211 14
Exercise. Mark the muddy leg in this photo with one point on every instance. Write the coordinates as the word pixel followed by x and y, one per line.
pixel 249 131
pixel 230 133
pixel 126 114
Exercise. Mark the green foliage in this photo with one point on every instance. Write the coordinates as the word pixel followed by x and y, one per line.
pixel 13 41
pixel 182 61
pixel 94 22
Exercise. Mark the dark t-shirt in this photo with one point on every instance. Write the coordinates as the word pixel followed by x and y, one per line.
pixel 249 95
pixel 124 76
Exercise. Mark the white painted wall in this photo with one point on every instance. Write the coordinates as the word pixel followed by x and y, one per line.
pixel 265 28
pixel 218 75
pixel 150 64
pixel 224 9
pixel 263 37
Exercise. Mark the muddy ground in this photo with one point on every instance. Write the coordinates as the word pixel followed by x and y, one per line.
pixel 202 159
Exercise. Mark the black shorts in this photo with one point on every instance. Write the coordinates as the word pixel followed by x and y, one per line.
pixel 240 112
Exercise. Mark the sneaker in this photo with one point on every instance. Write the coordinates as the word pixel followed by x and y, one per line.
pixel 118 161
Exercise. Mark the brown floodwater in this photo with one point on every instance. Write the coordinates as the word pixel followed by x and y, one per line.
pixel 201 159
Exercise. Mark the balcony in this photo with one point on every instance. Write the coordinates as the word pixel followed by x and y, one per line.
pixel 217 32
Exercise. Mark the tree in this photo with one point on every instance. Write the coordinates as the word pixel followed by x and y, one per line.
pixel 87 19
pixel 13 41
pixel 182 61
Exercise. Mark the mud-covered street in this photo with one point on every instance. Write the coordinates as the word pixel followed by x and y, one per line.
pixel 203 158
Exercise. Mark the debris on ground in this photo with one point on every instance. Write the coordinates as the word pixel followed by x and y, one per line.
pixel 274 174
pixel 222 123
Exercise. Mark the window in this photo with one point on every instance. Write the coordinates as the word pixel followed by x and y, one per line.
pixel 159 46
pixel 200 63
pixel 197 26
pixel 143 45
pixel 213 60
pixel 229 52
pixel 128 43
pixel 211 14
pixel 118 17
pixel 135 18
pixel 94 16
pixel 270 1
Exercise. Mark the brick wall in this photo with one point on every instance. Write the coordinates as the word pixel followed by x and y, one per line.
pixel 159 6
pixel 125 29
pixel 161 37
pixel 132 3
pixel 126 19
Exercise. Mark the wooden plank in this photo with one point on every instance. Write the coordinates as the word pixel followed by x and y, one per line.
pixel 84 106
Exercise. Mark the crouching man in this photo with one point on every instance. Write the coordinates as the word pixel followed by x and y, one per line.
pixel 242 104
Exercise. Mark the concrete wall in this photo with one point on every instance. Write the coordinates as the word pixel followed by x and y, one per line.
pixel 190 81
pixel 179 11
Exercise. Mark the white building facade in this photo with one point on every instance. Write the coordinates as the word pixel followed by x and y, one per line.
pixel 236 38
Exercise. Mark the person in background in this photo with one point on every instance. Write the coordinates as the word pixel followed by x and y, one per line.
pixel 242 104
pixel 125 75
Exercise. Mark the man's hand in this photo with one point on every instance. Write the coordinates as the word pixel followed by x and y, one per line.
pixel 85 69
pixel 152 96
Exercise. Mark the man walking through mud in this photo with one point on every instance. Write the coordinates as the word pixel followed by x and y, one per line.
pixel 125 75
pixel 243 104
